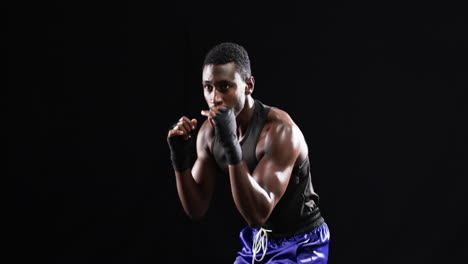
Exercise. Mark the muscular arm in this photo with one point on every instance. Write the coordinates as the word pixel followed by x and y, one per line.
pixel 195 187
pixel 256 195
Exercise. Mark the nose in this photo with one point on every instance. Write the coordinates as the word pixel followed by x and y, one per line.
pixel 217 98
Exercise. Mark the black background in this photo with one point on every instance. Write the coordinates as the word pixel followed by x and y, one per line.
pixel 378 91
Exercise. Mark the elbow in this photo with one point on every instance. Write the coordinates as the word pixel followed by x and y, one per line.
pixel 195 211
pixel 195 215
pixel 258 217
pixel 256 222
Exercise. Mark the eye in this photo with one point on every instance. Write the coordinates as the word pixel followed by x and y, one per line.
pixel 208 87
pixel 224 87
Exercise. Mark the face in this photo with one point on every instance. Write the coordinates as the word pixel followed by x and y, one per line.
pixel 223 85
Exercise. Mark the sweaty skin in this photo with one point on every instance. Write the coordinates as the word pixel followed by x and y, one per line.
pixel 280 147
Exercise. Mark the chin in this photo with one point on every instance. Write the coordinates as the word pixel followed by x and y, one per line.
pixel 237 110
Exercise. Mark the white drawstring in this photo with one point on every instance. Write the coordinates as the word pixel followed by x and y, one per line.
pixel 260 243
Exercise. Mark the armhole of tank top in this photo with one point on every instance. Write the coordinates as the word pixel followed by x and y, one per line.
pixel 212 150
pixel 267 110
pixel 302 163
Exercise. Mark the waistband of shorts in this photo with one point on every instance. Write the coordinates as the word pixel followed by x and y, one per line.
pixel 305 226
pixel 309 224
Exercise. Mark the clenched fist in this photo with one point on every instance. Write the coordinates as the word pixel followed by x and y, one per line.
pixel 224 122
pixel 182 144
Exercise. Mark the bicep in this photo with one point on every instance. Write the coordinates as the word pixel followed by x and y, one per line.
pixel 282 147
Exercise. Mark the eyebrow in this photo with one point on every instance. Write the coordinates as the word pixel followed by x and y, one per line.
pixel 217 82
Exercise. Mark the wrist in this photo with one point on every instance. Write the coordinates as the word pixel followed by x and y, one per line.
pixel 180 165
pixel 183 153
pixel 233 153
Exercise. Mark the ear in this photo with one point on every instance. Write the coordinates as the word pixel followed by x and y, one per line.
pixel 250 85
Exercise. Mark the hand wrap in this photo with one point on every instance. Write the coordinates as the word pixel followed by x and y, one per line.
pixel 183 152
pixel 226 131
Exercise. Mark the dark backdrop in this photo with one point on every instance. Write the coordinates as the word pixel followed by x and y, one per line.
pixel 378 91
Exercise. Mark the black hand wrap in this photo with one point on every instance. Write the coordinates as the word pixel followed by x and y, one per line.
pixel 183 152
pixel 226 131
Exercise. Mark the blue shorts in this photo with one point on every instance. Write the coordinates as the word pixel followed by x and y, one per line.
pixel 310 247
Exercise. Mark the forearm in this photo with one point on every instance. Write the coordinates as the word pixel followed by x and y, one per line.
pixel 252 201
pixel 191 195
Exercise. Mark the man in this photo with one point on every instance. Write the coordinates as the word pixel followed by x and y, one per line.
pixel 263 154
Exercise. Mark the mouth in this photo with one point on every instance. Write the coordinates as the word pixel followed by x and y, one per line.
pixel 211 105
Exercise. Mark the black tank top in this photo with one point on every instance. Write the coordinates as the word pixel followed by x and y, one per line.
pixel 297 211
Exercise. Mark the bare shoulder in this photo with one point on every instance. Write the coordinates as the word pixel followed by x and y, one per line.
pixel 278 116
pixel 279 120
pixel 206 129
pixel 205 136
pixel 280 127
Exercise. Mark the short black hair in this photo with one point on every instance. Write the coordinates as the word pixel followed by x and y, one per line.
pixel 227 52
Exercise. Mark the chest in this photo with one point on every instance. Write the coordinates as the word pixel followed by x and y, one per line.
pixel 253 149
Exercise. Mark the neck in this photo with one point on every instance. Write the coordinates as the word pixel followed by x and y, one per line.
pixel 244 117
